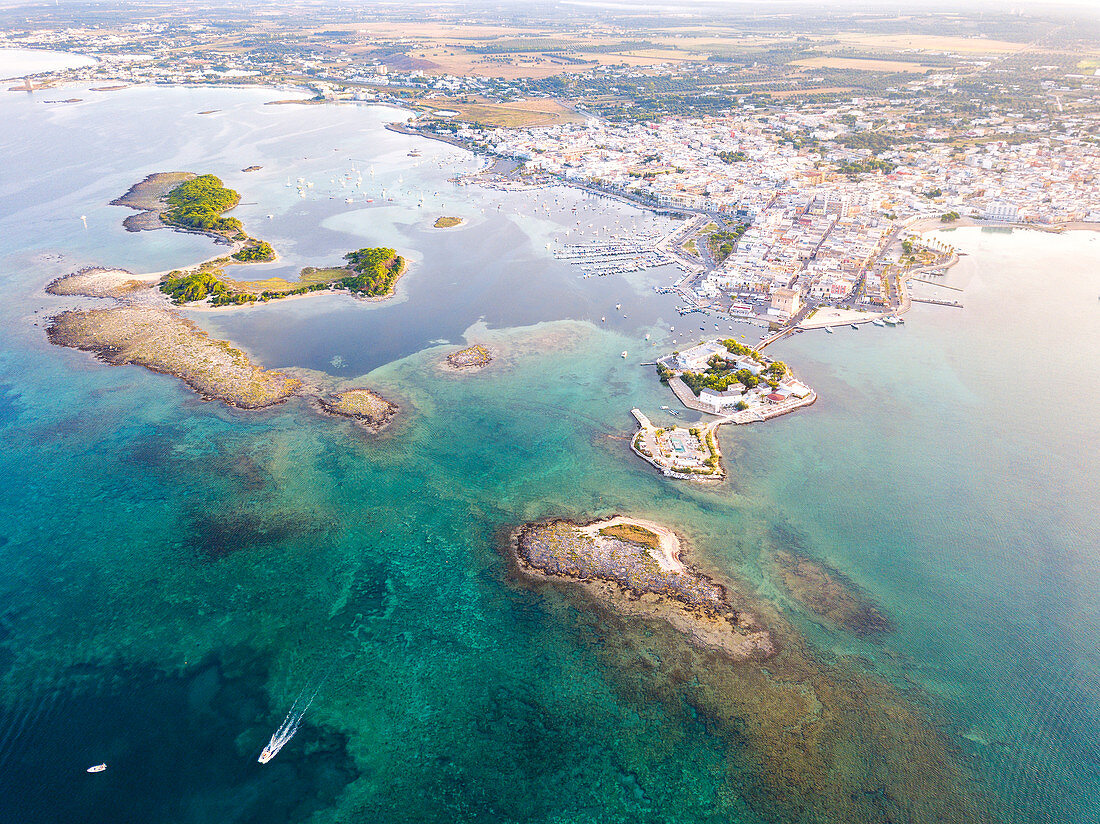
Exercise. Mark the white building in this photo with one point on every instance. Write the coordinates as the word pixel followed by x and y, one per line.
pixel 1001 212
pixel 695 358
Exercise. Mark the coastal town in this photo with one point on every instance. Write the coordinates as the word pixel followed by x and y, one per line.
pixel 806 173
pixel 373 389
pixel 803 176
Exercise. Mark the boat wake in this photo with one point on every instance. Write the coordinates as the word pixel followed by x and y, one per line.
pixel 289 726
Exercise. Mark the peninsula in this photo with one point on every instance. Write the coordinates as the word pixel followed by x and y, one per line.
pixel 162 341
pixel 635 567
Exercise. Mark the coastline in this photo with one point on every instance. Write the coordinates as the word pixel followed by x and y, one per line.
pixel 651 672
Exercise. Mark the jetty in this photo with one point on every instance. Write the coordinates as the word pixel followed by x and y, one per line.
pixel 935 302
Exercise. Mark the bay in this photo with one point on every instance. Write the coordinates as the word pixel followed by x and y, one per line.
pixel 177 572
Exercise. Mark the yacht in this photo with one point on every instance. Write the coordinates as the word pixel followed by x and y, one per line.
pixel 829 330
pixel 97 768
pixel 877 322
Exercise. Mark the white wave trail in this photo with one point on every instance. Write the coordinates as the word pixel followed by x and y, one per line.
pixel 289 726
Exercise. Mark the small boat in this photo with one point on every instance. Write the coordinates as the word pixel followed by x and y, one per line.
pixel 877 322
pixel 624 353
pixel 603 320
pixel 855 326
pixel 97 768
pixel 829 330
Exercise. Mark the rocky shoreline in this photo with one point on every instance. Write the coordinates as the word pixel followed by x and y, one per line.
pixel 634 566
pixel 146 197
pixel 99 282
pixel 162 341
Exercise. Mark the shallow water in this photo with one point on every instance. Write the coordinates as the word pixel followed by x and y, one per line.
pixel 177 572
pixel 18 63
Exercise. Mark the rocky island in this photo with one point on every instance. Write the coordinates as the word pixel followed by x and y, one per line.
pixel 368 409
pixel 472 357
pixel 634 566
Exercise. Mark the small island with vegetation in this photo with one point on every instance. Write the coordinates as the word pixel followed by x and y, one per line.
pixel 192 203
pixel 198 203
pixel 635 567
pixel 444 222
pixel 470 358
pixel 369 273
pixel 143 327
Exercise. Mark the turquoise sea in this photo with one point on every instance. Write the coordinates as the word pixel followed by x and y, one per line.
pixel 176 573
